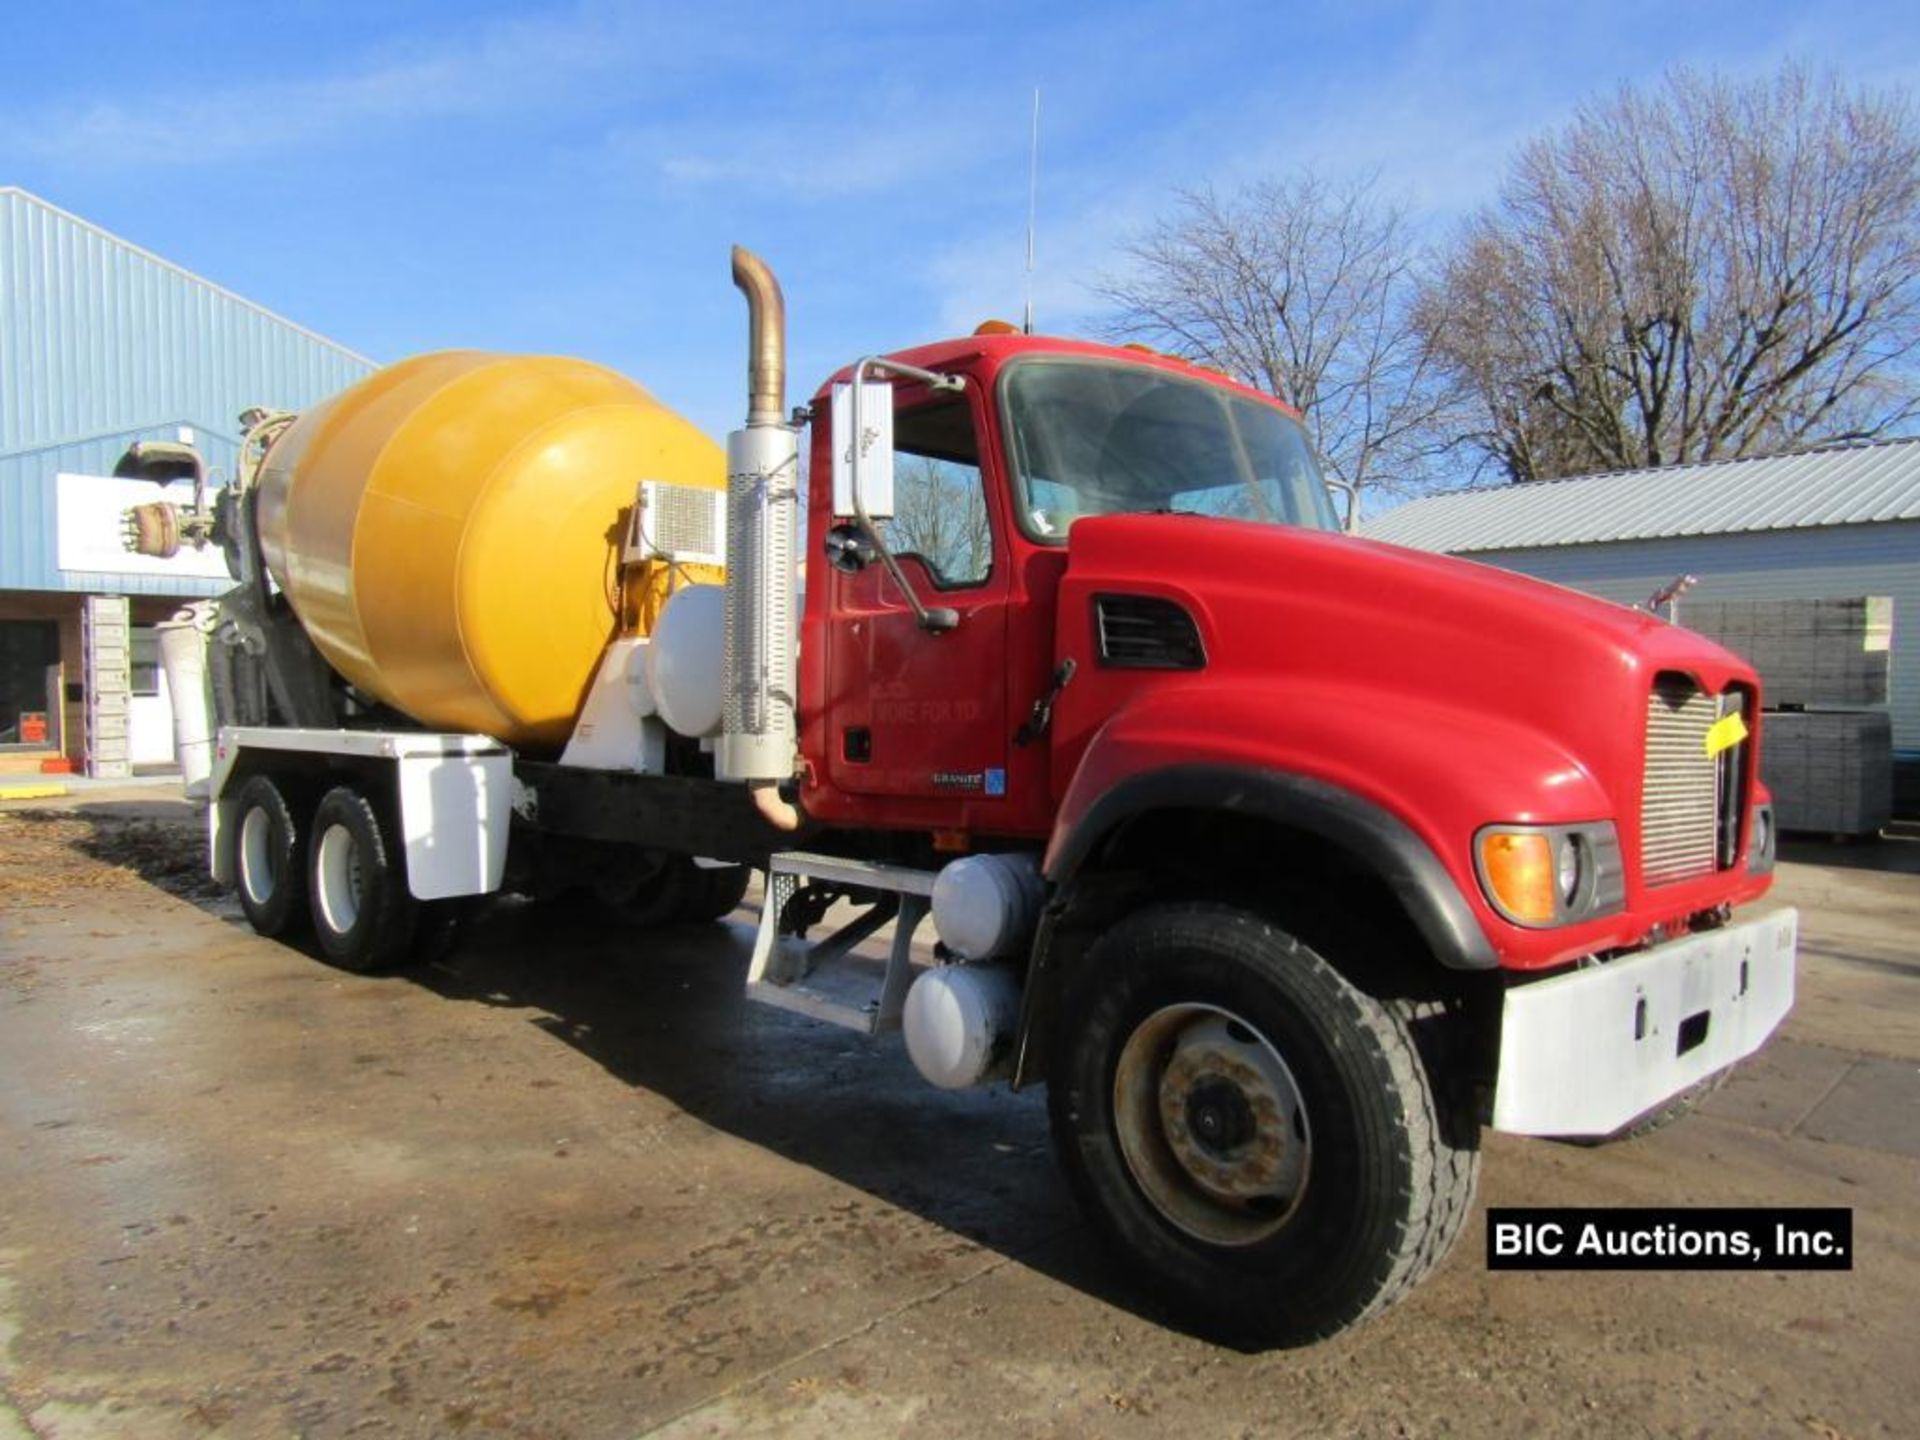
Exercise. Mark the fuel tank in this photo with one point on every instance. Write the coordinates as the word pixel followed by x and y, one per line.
pixel 449 531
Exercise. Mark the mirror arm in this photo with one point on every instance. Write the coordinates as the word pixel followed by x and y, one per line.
pixel 933 621
pixel 1352 492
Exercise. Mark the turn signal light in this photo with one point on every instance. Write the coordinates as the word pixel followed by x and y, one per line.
pixel 1519 871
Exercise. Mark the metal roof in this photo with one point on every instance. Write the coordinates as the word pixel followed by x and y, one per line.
pixel 1841 485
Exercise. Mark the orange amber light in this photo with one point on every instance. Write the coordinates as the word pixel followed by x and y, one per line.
pixel 1519 872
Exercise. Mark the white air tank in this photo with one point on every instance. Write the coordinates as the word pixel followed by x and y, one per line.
pixel 987 905
pixel 960 1022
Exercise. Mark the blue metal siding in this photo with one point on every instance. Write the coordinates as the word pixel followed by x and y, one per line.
pixel 101 344
pixel 1826 563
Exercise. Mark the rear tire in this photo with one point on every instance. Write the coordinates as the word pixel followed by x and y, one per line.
pixel 1258 1137
pixel 678 891
pixel 657 899
pixel 715 894
pixel 363 915
pixel 268 858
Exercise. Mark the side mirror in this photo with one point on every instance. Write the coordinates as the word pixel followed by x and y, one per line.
pixel 863 466
pixel 863 462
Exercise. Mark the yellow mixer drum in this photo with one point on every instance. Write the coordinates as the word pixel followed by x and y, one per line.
pixel 449 531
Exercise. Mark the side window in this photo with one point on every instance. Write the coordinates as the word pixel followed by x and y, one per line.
pixel 939 495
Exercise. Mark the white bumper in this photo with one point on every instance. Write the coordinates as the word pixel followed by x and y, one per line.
pixel 1586 1052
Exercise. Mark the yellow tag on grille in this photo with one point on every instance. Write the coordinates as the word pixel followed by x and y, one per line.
pixel 1725 733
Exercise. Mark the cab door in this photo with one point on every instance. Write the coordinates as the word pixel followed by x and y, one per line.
pixel 912 713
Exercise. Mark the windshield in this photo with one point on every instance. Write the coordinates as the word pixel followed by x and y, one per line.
pixel 1101 438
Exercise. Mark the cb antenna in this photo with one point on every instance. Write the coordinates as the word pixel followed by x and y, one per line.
pixel 1033 197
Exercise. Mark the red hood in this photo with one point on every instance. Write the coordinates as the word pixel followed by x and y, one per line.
pixel 1278 604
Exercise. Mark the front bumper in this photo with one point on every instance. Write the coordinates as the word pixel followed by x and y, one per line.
pixel 1584 1053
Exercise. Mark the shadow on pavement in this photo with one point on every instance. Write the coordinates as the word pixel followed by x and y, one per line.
pixel 1894 851
pixel 664 1010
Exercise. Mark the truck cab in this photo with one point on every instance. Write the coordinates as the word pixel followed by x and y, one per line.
pixel 1145 575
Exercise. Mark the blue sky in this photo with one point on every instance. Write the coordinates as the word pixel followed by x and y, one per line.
pixel 566 177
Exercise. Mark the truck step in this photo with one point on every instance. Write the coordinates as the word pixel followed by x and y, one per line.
pixel 829 978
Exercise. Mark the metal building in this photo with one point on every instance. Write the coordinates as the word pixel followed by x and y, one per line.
pixel 103 344
pixel 1818 524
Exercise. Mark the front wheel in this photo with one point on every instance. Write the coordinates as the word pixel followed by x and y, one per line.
pixel 1259 1136
pixel 363 914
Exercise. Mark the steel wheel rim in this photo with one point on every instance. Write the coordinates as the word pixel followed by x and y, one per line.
pixel 1211 1124
pixel 259 863
pixel 342 881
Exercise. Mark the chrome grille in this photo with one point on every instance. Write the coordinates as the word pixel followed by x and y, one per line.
pixel 1678 806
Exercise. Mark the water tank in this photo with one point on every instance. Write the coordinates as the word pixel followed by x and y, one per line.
pixel 449 530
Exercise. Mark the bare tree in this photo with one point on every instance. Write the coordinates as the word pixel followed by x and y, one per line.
pixel 1304 289
pixel 1711 270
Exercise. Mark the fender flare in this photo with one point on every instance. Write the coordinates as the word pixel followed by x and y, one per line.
pixel 1378 839
pixel 1401 858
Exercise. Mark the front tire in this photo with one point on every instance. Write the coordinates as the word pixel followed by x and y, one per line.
pixel 363 914
pixel 1256 1134
pixel 269 858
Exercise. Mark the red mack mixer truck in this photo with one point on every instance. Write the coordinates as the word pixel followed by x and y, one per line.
pixel 1287 861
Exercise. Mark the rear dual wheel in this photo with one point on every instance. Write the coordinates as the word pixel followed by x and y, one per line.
pixel 679 890
pixel 336 868
pixel 268 859
pixel 716 891
pixel 1255 1134
pixel 364 917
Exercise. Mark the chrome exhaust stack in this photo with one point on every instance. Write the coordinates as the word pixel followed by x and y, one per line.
pixel 766 339
pixel 758 731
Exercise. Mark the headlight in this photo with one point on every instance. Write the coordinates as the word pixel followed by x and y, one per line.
pixel 1568 873
pixel 1546 875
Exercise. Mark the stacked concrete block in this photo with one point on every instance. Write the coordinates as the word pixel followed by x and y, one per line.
pixel 1810 653
pixel 106 634
pixel 1827 758
pixel 1830 771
